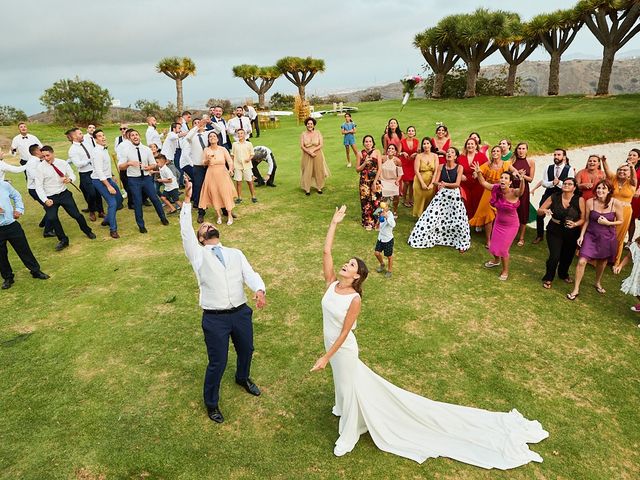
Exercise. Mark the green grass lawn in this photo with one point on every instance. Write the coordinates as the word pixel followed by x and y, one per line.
pixel 102 365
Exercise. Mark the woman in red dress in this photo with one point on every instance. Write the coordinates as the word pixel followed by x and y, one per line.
pixel 441 143
pixel 588 177
pixel 471 190
pixel 408 151
pixel 633 160
pixel 392 135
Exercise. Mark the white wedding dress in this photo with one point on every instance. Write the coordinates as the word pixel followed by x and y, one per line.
pixel 412 426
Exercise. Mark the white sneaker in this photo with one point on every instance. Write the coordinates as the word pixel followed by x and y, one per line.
pixel 230 221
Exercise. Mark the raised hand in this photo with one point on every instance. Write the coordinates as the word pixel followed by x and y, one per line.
pixel 339 215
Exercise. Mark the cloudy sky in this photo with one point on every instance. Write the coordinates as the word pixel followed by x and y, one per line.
pixel 118 43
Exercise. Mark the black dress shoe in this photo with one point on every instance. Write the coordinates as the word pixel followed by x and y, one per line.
pixel 7 283
pixel 104 223
pixel 40 275
pixel 91 235
pixel 164 221
pixel 61 245
pixel 85 210
pixel 49 234
pixel 146 203
pixel 200 219
pixel 142 229
pixel 271 184
pixel 215 414
pixel 249 386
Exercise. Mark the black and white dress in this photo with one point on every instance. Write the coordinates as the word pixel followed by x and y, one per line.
pixel 445 220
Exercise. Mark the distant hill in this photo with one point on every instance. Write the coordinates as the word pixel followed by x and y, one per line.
pixel 576 77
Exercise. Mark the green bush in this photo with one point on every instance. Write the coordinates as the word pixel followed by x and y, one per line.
pixel 77 102
pixel 148 107
pixel 223 102
pixel 10 115
pixel 372 96
pixel 279 101
pixel 455 84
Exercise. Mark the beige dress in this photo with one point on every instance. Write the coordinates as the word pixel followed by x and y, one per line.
pixel 314 170
pixel 217 188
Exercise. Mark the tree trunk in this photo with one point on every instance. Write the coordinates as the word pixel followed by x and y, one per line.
pixel 608 56
pixel 261 103
pixel 511 79
pixel 438 83
pixel 179 100
pixel 472 78
pixel 301 92
pixel 554 74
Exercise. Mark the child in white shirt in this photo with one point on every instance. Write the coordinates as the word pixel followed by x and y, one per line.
pixel 384 244
pixel 171 194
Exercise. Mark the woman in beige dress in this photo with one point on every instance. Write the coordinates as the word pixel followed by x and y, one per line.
pixel 313 167
pixel 217 188
pixel 425 165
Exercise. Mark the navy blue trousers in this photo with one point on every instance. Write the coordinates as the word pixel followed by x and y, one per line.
pixel 217 328
pixel 144 185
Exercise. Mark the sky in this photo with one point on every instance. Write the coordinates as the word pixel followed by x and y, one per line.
pixel 118 43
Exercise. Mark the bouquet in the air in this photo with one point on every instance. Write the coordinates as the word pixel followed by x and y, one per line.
pixel 408 86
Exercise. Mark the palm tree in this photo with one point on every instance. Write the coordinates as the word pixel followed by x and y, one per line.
pixel 440 56
pixel 516 44
pixel 556 31
pixel 300 71
pixel 177 68
pixel 251 74
pixel 473 38
pixel 613 23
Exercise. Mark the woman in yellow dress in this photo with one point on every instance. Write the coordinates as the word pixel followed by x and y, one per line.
pixel 425 165
pixel 624 186
pixel 491 171
pixel 313 167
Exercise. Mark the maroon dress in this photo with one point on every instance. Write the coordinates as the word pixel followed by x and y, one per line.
pixel 523 208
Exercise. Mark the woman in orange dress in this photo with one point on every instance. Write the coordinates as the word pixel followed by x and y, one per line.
pixel 491 172
pixel 217 189
pixel 590 176
pixel 624 187
pixel 392 135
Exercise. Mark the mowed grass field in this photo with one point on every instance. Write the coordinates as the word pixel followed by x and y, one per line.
pixel 102 365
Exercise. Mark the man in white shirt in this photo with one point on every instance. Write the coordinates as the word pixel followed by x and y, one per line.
pixel 21 143
pixel 152 136
pixel 121 138
pixel 138 162
pixel 11 209
pixel 52 177
pixel 30 168
pixel 88 141
pixel 121 150
pixel 80 156
pixel 221 273
pixel 262 153
pixel 172 149
pixel 186 119
pixel 104 183
pixel 198 139
pixel 552 179
pixel 7 167
pixel 253 118
pixel 239 122
pixel 220 126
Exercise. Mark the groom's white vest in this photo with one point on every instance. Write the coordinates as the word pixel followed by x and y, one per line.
pixel 221 287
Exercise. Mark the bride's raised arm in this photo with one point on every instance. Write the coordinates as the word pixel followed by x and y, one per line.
pixel 327 258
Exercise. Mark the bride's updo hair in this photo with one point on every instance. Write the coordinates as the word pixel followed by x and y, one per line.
pixel 363 271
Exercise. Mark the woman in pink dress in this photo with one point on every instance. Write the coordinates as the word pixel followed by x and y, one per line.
pixel 392 135
pixel 505 227
pixel 408 153
pixel 441 143
pixel 471 189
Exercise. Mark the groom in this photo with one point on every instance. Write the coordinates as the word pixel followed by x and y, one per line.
pixel 221 273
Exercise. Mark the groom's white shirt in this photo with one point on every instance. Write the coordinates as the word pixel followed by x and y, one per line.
pixel 221 287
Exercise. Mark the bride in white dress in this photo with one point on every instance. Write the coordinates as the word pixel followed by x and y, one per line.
pixel 399 421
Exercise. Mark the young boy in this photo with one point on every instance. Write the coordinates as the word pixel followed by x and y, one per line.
pixel 348 129
pixel 170 196
pixel 385 239
pixel 242 154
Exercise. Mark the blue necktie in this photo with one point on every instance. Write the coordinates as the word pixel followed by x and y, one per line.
pixel 217 251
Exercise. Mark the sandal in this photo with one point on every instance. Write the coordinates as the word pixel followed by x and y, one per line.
pixel 546 284
pixel 567 280
pixel 521 243
pixel 599 289
pixel 572 296
pixel 503 277
pixel 491 264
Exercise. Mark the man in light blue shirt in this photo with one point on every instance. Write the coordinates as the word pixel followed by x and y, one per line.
pixel 12 208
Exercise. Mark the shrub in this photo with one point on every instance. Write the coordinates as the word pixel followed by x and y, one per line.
pixel 148 107
pixel 455 84
pixel 224 103
pixel 77 102
pixel 279 101
pixel 10 115
pixel 372 96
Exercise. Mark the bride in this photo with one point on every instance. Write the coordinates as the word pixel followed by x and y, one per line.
pixel 399 421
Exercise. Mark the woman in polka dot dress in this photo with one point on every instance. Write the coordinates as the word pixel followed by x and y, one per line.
pixel 445 221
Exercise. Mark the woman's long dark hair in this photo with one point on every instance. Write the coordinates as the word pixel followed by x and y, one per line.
pixel 363 271
pixel 398 130
pixel 607 184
